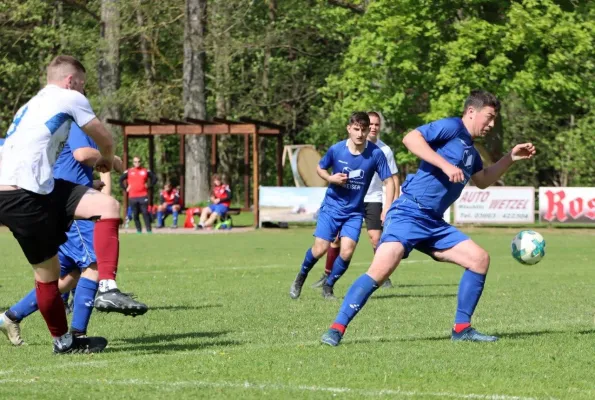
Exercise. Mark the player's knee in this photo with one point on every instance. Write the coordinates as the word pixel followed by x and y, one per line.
pixel 482 262
pixel 319 248
pixel 346 253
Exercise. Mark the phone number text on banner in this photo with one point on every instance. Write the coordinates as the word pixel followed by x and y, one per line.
pixel 496 205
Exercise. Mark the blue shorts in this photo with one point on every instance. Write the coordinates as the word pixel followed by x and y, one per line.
pixel 406 223
pixel 220 209
pixel 169 209
pixel 330 224
pixel 77 253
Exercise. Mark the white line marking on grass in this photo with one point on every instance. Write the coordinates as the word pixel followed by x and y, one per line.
pixel 273 386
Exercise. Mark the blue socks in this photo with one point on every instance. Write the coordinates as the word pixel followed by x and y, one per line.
pixel 309 262
pixel 84 299
pixel 25 307
pixel 355 299
pixel 470 289
pixel 339 268
pixel 159 218
pixel 175 215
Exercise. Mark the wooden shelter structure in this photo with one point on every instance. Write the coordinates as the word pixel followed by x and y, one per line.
pixel 248 127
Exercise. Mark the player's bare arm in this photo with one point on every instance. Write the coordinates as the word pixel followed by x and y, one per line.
pixel 105 142
pixel 389 184
pixel 89 157
pixel 487 176
pixel 415 143
pixel 337 179
pixel 397 186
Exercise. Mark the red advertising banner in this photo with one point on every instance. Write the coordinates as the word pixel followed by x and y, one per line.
pixel 567 204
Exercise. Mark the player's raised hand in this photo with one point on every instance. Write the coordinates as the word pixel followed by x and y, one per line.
pixel 98 185
pixel 118 165
pixel 455 174
pixel 104 164
pixel 338 179
pixel 523 151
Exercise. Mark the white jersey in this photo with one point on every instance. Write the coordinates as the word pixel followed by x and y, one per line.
pixel 374 194
pixel 37 135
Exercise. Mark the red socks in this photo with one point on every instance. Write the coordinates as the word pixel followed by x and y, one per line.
pixel 339 327
pixel 331 256
pixel 51 307
pixel 107 247
pixel 458 328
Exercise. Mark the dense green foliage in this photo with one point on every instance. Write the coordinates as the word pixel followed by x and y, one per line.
pixel 306 64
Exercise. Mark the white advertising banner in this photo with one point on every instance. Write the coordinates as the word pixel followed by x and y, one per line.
pixel 567 204
pixel 495 205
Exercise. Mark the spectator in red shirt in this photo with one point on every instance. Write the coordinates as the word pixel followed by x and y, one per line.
pixel 220 201
pixel 170 204
pixel 138 181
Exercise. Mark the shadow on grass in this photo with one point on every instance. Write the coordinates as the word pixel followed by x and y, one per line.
pixel 158 348
pixel 397 286
pixel 405 296
pixel 184 308
pixel 165 337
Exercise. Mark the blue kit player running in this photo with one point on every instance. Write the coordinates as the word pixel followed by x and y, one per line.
pixel 449 160
pixel 354 162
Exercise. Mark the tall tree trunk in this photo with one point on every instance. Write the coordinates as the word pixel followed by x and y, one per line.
pixel 109 62
pixel 197 160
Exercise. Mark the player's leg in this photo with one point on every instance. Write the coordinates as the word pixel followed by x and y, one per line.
pixel 106 248
pixel 161 210
pixel 217 211
pixel 144 209
pixel 331 255
pixel 326 231
pixel 84 297
pixel 387 258
pixel 374 228
pixel 204 215
pixel 457 248
pixel 135 204
pixel 175 212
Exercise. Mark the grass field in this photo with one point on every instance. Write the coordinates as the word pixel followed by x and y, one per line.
pixel 222 325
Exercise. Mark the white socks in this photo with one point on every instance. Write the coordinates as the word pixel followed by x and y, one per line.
pixel 106 285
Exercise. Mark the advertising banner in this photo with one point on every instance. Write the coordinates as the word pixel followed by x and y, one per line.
pixel 567 204
pixel 495 205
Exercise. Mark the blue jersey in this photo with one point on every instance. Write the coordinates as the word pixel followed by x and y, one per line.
pixel 429 187
pixel 67 167
pixel 360 169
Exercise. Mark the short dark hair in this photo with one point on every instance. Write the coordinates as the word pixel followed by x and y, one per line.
pixel 361 118
pixel 479 99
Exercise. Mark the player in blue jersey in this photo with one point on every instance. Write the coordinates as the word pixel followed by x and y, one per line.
pixel 354 162
pixel 449 160
pixel 78 262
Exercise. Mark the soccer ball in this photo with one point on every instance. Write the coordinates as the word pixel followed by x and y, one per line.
pixel 528 247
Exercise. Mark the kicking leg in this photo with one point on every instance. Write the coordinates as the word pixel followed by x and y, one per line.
pixel 106 247
pixel 386 260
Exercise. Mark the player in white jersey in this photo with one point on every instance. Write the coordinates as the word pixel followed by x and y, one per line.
pixel 372 201
pixel 39 209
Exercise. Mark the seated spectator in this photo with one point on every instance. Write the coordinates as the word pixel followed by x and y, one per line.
pixel 220 202
pixel 170 204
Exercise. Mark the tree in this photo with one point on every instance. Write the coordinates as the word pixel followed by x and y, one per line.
pixel 197 164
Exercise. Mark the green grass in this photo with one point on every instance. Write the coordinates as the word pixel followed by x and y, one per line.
pixel 222 326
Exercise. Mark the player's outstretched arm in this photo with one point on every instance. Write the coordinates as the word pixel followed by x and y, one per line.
pixel 487 176
pixel 397 186
pixel 415 143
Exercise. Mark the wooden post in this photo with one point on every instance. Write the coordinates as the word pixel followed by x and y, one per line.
pixel 247 171
pixel 182 170
pixel 213 154
pixel 255 179
pixel 279 155
pixel 151 166
pixel 125 161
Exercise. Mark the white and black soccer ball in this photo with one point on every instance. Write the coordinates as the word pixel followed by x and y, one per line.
pixel 528 247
